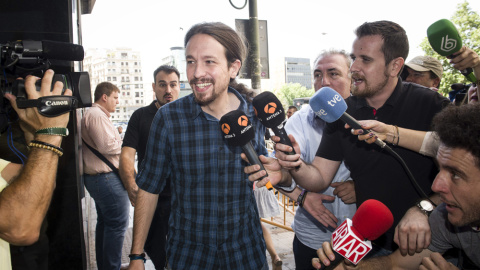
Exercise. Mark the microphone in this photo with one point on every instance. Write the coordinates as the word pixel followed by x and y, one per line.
pixel 330 106
pixel 370 221
pixel 237 130
pixel 50 50
pixel 445 40
pixel 271 114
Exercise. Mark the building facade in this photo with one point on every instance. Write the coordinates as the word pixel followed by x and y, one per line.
pixel 177 59
pixel 123 68
pixel 298 70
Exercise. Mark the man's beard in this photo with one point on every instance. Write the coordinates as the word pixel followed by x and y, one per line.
pixel 369 91
pixel 201 98
pixel 161 103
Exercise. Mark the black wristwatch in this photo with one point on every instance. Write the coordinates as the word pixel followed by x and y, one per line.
pixel 426 206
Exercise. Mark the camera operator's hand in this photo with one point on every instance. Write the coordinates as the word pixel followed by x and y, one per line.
pixel 31 120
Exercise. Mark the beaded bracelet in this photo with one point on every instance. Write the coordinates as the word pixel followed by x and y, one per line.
pixel 44 145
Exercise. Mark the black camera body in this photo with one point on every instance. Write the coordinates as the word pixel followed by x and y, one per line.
pixel 459 93
pixel 21 58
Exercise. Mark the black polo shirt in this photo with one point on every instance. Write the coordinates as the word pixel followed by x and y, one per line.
pixel 137 132
pixel 377 174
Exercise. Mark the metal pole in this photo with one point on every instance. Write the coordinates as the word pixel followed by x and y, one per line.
pixel 254 50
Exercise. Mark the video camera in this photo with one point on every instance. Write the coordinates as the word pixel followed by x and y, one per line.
pixel 458 93
pixel 27 57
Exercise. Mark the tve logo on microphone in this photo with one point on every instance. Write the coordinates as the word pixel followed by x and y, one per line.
pixel 328 104
pixel 346 242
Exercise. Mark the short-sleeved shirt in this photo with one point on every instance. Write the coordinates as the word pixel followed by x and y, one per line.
pixel 214 223
pixel 378 174
pixel 137 132
pixel 446 236
pixel 308 131
pixel 138 129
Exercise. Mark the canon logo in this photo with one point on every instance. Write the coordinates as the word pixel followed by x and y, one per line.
pixel 56 103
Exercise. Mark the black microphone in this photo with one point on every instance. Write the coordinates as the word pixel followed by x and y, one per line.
pixel 237 130
pixel 269 111
pixel 50 50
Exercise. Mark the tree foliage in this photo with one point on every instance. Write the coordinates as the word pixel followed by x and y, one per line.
pixel 468 26
pixel 288 92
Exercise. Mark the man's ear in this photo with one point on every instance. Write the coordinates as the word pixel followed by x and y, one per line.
pixel 396 66
pixel 436 82
pixel 235 68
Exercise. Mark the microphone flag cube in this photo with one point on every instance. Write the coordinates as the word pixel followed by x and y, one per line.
pixel 346 242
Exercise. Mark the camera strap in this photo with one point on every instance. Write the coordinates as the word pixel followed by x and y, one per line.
pixel 50 106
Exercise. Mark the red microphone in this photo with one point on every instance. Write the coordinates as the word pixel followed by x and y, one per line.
pixel 352 238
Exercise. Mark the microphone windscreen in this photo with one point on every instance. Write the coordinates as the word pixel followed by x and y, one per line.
pixel 62 51
pixel 268 109
pixel 372 219
pixel 328 104
pixel 236 128
pixel 444 37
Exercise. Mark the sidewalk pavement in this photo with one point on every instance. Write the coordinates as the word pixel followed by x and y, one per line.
pixel 282 238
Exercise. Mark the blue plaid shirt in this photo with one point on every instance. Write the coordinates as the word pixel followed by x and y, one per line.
pixel 214 223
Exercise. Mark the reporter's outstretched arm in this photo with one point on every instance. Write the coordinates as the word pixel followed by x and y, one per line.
pixel 407 138
pixel 412 234
pixel 394 261
pixel 24 203
pixel 313 177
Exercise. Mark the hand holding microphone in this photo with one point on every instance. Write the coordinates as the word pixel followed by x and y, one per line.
pixel 446 41
pixel 271 114
pixel 371 220
pixel 380 130
pixel 237 130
